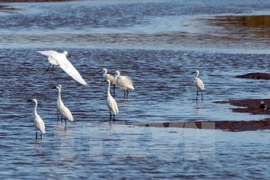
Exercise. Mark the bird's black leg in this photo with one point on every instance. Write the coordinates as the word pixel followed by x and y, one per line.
pixel 110 115
pixel 40 135
pixel 197 94
pixel 36 134
pixel 127 94
pixel 124 93
pixel 52 71
pixel 202 95
pixel 47 69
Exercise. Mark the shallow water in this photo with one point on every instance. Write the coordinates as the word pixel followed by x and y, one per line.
pixel 158 44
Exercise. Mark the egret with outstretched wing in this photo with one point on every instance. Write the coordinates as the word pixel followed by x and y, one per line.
pixel 60 59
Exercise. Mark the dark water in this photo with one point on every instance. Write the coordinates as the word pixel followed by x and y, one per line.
pixel 158 44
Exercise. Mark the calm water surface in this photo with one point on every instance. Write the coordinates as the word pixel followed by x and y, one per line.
pixel 158 44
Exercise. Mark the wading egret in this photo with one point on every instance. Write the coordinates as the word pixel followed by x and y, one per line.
pixel 64 111
pixel 124 82
pixel 38 122
pixel 199 84
pixel 263 106
pixel 111 103
pixel 60 59
pixel 108 76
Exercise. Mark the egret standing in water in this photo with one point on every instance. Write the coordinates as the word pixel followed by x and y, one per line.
pixel 199 84
pixel 38 122
pixel 111 103
pixel 64 111
pixel 108 77
pixel 124 82
pixel 60 59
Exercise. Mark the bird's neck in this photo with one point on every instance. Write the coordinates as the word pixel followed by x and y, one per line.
pixel 59 94
pixel 108 90
pixel 117 75
pixel 35 109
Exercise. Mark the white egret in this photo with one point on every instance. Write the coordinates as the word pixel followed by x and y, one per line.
pixel 38 122
pixel 111 103
pixel 64 111
pixel 199 84
pixel 124 82
pixel 56 58
pixel 108 76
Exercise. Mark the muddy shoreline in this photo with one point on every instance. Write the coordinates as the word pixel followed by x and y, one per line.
pixel 257 75
pixel 233 126
pixel 251 106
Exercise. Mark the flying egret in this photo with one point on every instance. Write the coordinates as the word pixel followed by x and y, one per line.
pixel 124 82
pixel 199 84
pixel 38 122
pixel 111 103
pixel 108 76
pixel 56 58
pixel 64 111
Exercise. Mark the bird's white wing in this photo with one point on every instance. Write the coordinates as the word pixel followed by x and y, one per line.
pixel 48 53
pixel 66 113
pixel 125 82
pixel 110 77
pixel 70 69
pixel 199 84
pixel 112 105
pixel 52 56
pixel 40 124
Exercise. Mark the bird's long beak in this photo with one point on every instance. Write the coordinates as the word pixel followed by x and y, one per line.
pixel 98 71
pixel 68 55
pixel 54 87
pixel 30 100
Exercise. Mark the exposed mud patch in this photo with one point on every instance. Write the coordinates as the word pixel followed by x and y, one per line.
pixel 257 75
pixel 251 106
pixel 4 8
pixel 221 125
